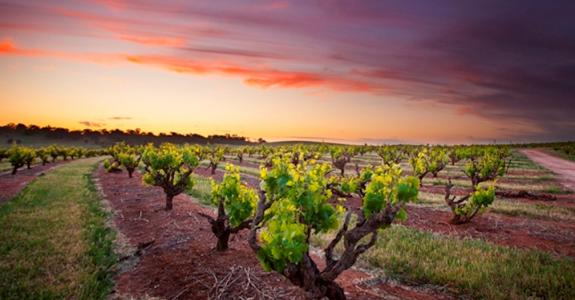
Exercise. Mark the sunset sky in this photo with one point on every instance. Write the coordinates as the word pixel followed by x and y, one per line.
pixel 356 71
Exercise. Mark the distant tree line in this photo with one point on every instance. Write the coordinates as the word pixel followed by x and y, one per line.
pixel 17 133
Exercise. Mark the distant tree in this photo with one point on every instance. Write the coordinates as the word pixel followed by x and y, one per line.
pixel 3 154
pixel 30 155
pixel 54 152
pixel 19 157
pixel 130 161
pixel 215 155
pixel 389 155
pixel 240 154
pixel 486 167
pixel 12 132
pixel 340 157
pixel 438 160
pixel 170 168
pixel 44 155
pixel 420 164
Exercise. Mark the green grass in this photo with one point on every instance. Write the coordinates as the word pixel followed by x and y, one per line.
pixel 243 170
pixel 5 165
pixel 556 190
pixel 472 267
pixel 201 190
pixel 534 211
pixel 54 242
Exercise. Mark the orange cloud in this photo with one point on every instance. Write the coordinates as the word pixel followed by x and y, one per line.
pixel 154 41
pixel 258 77
pixel 6 46
pixel 283 79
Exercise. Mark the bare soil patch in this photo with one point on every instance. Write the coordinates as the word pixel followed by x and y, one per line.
pixel 551 236
pixel 11 185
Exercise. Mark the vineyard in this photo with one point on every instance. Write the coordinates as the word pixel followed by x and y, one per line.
pixel 301 221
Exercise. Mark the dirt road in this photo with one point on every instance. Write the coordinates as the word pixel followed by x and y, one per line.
pixel 562 167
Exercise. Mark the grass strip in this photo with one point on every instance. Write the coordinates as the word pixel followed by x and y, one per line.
pixel 54 242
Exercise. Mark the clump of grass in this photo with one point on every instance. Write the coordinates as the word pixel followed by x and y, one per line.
pixel 473 267
pixel 100 238
pixel 545 177
pixel 202 189
pixel 243 169
pixel 54 243
pixel 535 211
pixel 556 190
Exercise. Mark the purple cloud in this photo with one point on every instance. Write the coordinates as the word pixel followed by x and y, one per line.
pixel 511 60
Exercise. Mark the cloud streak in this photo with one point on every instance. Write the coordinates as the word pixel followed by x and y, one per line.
pixel 92 124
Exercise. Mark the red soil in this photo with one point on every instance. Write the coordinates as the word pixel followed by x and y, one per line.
pixel 556 237
pixel 11 185
pixel 180 262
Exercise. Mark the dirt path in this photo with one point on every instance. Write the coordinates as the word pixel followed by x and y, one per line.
pixel 177 260
pixel 562 167
pixel 11 185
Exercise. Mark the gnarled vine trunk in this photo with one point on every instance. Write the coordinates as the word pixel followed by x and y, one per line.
pixel 454 204
pixel 307 276
pixel 213 167
pixel 169 202
pixel 221 229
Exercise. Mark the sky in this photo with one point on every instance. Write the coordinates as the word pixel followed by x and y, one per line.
pixel 369 71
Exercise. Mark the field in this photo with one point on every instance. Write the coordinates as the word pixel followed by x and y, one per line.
pixel 287 150
pixel 82 228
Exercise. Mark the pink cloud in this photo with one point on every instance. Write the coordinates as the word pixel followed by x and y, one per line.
pixel 154 40
pixel 253 76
